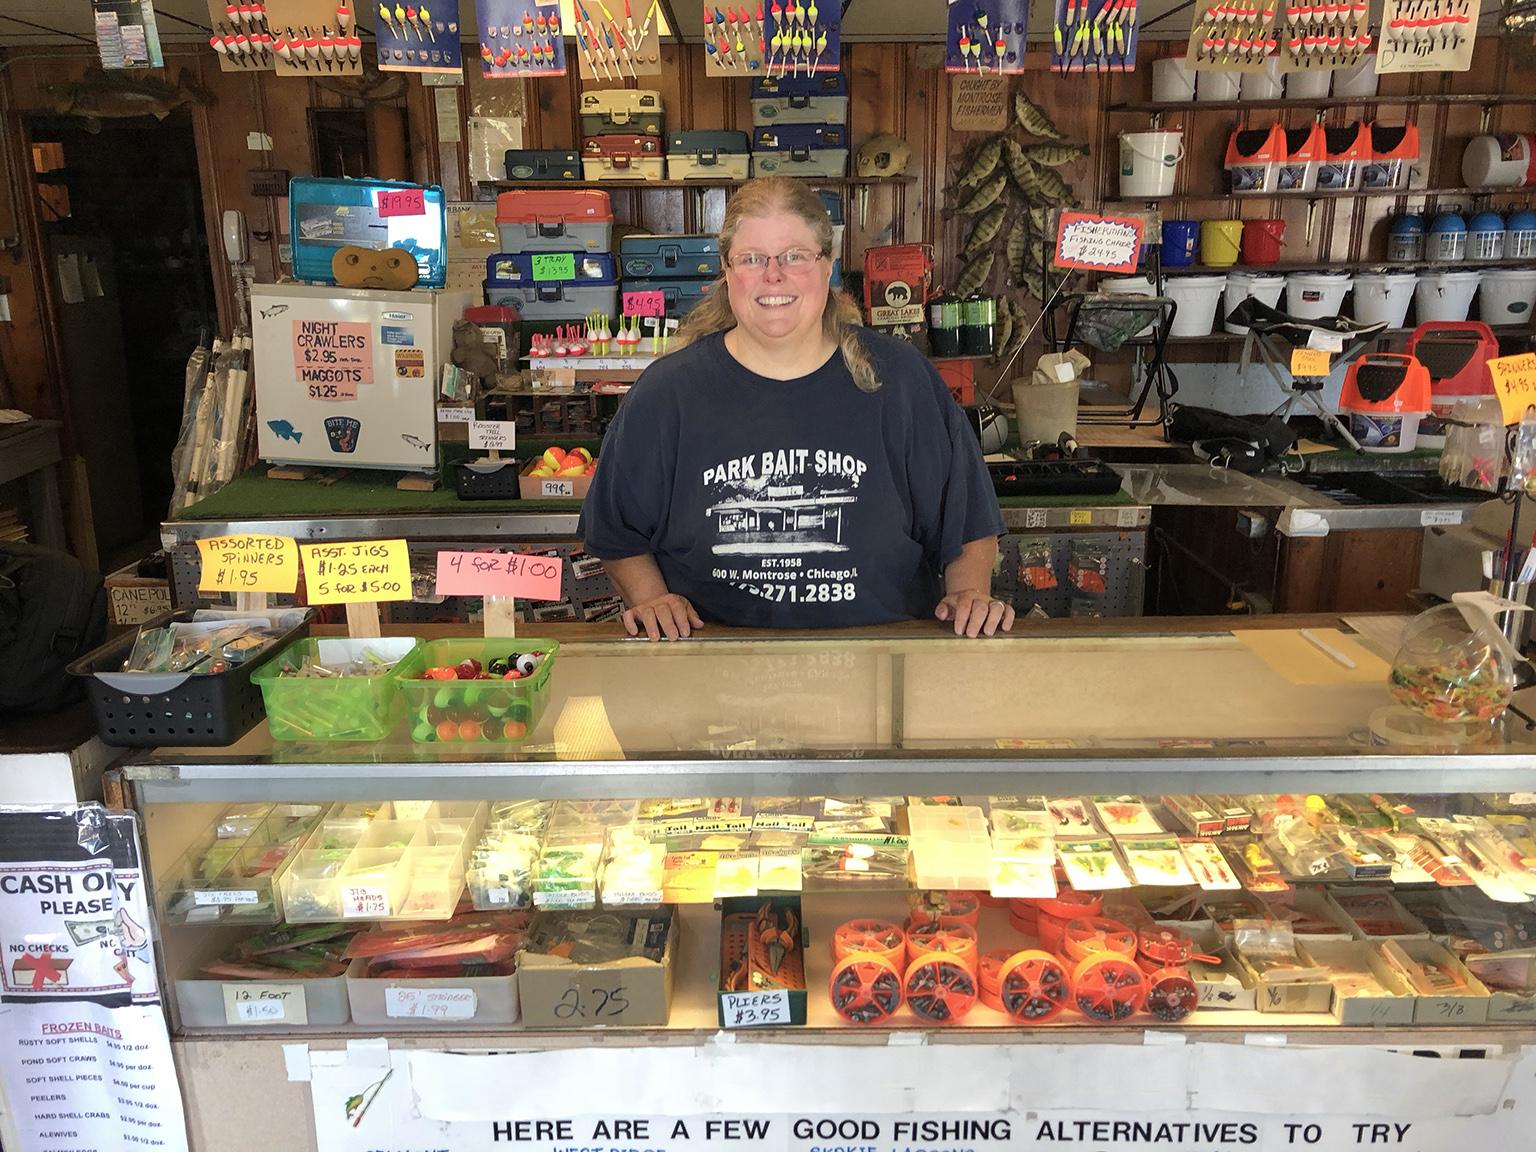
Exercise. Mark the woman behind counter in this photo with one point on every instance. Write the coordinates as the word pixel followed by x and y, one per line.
pixel 786 467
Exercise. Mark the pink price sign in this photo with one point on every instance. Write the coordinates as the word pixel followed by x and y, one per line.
pixel 499 574
pixel 402 202
pixel 645 304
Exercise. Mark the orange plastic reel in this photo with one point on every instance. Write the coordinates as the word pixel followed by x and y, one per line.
pixel 1107 987
pixel 865 988
pixel 1089 935
pixel 1171 994
pixel 879 937
pixel 940 989
pixel 958 940
pixel 1034 987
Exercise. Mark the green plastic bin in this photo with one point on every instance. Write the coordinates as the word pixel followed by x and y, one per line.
pixel 479 711
pixel 344 708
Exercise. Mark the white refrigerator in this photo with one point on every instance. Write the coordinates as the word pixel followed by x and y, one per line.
pixel 348 377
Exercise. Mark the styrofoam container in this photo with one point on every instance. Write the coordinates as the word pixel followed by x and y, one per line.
pixel 1242 285
pixel 1197 298
pixel 1445 295
pixel 1131 286
pixel 1356 81
pixel 437 1003
pixel 1172 81
pixel 1266 85
pixel 1315 295
pixel 1508 296
pixel 1211 86
pixel 1309 85
pixel 1384 297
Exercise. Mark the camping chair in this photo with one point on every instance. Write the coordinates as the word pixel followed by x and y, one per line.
pixel 1107 322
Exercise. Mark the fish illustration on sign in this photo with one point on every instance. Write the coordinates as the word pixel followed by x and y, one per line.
pixel 285 430
pixel 415 441
pixel 275 310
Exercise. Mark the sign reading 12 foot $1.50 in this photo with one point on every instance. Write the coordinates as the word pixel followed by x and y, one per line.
pixel 1098 243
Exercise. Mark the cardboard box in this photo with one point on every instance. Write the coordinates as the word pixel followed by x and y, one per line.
pixel 1310 993
pixel 135 599
pixel 572 488
pixel 1395 1004
pixel 756 1008
pixel 1343 901
pixel 433 1003
pixel 1511 1007
pixel 1468 1005
pixel 1328 921
pixel 634 991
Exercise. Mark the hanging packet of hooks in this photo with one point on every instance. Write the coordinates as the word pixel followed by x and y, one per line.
pixel 1232 37
pixel 419 38
pixel 1427 36
pixel 987 36
pixel 1318 35
pixel 1094 36
pixel 520 38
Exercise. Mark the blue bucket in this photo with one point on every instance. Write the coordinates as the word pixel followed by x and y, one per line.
pixel 1181 242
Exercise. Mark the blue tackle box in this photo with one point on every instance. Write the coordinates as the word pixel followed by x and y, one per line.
pixel 820 99
pixel 325 214
pixel 800 150
pixel 594 286
pixel 542 164
pixel 647 257
pixel 708 155
pixel 679 295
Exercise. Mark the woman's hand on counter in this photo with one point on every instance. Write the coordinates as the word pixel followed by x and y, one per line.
pixel 975 613
pixel 668 615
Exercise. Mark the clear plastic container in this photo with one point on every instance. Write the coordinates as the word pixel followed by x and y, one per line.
pixel 1454 667
pixel 231 873
pixel 481 711
pixel 331 708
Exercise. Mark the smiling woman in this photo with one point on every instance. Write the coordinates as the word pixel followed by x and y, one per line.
pixel 786 467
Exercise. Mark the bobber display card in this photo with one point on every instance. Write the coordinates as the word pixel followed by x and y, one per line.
pixel 986 36
pixel 520 38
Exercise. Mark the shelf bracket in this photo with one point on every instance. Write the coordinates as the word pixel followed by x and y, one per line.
pixel 1485 119
pixel 1312 207
pixel 861 198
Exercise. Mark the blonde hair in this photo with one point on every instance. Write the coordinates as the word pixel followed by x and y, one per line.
pixel 840 320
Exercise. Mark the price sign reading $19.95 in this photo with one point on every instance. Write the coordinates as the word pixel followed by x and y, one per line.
pixel 251 562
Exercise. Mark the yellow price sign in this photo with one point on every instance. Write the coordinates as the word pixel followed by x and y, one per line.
pixel 250 562
pixel 1514 381
pixel 1311 362
pixel 360 572
pixel 1079 516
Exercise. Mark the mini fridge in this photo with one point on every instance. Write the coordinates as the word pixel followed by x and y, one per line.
pixel 348 377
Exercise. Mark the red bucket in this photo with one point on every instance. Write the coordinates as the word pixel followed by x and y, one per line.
pixel 1262 241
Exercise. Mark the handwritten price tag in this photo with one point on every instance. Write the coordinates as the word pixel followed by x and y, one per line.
pixel 402 202
pixel 645 303
pixel 1102 243
pixel 429 1003
pixel 754 1009
pixel 1311 362
pixel 264 1004
pixel 553 266
pixel 358 573
pixel 1514 381
pixel 553 488
pixel 498 435
pixel 248 563
pixel 499 574
pixel 360 901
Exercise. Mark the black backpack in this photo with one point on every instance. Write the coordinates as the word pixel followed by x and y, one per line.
pixel 53 610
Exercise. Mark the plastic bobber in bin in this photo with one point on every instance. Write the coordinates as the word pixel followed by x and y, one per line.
pixel 1149 162
pixel 1315 295
pixel 1384 297
pixel 1393 150
pixel 1385 395
pixel 1304 151
pixel 1172 81
pixel 1242 285
pixel 1486 236
pixel 1346 148
pixel 1445 295
pixel 1508 296
pixel 1197 298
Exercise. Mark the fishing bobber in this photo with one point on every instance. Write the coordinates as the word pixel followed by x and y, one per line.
pixel 218 46
pixel 283 49
pixel 232 15
pixel 426 22
pixel 343 18
pixel 354 48
pixel 389 21
pixel 487 61
pixel 328 52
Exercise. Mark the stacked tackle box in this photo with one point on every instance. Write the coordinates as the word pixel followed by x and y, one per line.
pixel 800 125
pixel 623 135
pixel 681 268
pixel 556 263
pixel 709 156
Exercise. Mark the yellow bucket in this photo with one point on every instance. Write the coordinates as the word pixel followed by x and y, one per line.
pixel 1220 242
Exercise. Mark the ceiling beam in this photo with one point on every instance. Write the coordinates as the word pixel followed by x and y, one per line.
pixel 44 28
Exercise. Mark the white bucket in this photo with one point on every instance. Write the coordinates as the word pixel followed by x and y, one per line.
pixel 1131 286
pixel 1217 86
pixel 1384 432
pixel 1315 295
pixel 1384 298
pixel 1309 85
pixel 1509 295
pixel 1445 295
pixel 1356 81
pixel 1172 81
pixel 1149 161
pixel 1242 285
pixel 1197 297
pixel 1265 85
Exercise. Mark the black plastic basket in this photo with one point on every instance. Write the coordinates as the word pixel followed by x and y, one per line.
pixel 491 484
pixel 1054 478
pixel 173 709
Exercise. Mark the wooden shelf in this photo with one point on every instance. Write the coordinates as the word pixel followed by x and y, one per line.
pixel 1344 266
pixel 1232 338
pixel 1348 194
pixel 1326 102
pixel 672 185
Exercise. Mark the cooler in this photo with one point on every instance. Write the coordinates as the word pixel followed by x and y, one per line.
pixel 623 158
pixel 542 164
pixel 800 150
pixel 680 295
pixel 708 156
pixel 670 257
pixel 538 292
pixel 821 99
pixel 325 214
pixel 555 220
pixel 622 111
pixel 1456 355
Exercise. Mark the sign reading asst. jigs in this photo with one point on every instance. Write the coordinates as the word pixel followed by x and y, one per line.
pixel 1098 243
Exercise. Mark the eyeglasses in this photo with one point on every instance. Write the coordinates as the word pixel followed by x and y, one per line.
pixel 795 260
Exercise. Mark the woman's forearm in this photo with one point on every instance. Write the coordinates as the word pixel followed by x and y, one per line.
pixel 637 578
pixel 972 569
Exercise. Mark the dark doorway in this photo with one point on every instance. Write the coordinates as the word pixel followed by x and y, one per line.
pixel 122 212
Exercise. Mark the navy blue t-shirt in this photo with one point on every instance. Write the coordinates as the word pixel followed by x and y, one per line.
pixel 792 503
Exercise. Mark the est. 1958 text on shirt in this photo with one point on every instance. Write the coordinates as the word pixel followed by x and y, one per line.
pixel 792 503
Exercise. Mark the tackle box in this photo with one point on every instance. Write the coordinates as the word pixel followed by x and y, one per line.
pixel 622 110
pixel 542 164
pixel 646 257
pixel 623 158
pixel 800 150
pixel 679 295
pixel 708 156
pixel 821 99
pixel 555 220
pixel 324 214
pixel 509 280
